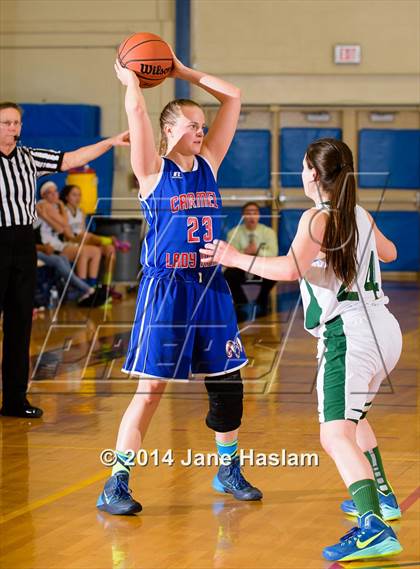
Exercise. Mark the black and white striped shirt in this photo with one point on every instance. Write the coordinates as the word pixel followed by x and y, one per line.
pixel 18 174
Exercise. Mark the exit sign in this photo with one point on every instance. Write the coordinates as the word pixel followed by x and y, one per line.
pixel 347 54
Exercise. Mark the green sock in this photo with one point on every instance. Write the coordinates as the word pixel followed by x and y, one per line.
pixel 230 449
pixel 120 465
pixel 365 496
pixel 381 482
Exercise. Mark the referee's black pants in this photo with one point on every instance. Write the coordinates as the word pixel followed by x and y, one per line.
pixel 17 287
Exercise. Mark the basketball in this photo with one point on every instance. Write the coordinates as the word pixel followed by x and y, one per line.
pixel 149 56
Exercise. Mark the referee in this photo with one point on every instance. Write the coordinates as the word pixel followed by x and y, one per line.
pixel 19 169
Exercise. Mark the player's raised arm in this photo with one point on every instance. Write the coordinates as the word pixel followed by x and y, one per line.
pixel 145 159
pixel 304 250
pixel 221 132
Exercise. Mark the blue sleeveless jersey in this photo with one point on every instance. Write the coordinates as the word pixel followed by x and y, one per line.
pixel 185 320
pixel 184 213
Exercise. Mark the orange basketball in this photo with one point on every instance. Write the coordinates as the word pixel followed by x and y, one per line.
pixel 148 56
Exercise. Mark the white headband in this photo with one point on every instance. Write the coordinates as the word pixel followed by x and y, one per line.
pixel 47 185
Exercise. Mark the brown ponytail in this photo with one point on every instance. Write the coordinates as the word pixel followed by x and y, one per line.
pixel 168 116
pixel 333 162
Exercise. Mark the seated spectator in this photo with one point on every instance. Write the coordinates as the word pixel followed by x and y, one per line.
pixel 52 210
pixel 251 238
pixel 71 196
pixel 54 228
pixel 86 295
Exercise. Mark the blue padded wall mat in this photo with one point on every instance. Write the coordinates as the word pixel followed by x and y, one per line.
pixel 45 119
pixel 293 145
pixel 403 228
pixel 247 163
pixel 394 151
pixel 288 224
pixel 104 165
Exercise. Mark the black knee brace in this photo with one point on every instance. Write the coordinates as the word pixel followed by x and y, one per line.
pixel 225 401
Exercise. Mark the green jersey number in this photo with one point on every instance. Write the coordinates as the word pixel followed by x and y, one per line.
pixel 370 284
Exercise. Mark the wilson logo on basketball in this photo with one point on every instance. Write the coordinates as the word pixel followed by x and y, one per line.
pixel 146 69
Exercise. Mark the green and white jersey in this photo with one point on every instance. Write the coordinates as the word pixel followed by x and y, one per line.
pixel 324 296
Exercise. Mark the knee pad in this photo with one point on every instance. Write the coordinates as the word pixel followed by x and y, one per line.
pixel 225 401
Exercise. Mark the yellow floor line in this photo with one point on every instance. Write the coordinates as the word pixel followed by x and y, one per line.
pixel 53 497
pixel 83 484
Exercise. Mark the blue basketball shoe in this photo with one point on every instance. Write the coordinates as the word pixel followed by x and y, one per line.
pixel 373 538
pixel 116 497
pixel 390 509
pixel 230 480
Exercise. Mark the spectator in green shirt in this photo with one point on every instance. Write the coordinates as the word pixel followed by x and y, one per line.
pixel 251 238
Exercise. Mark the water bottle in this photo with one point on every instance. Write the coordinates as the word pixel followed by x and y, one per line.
pixel 53 298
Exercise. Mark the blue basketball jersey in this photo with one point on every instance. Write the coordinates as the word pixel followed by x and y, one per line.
pixel 185 320
pixel 184 213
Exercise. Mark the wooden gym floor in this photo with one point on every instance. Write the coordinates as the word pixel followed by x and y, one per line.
pixel 52 475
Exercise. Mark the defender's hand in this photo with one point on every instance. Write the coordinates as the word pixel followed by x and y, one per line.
pixel 219 252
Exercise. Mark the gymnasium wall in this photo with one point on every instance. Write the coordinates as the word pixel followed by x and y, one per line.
pixel 63 51
pixel 282 51
pixel 277 51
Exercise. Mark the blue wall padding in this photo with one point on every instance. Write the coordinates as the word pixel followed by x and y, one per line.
pixel 403 228
pixel 293 145
pixel 396 152
pixel 104 165
pixel 288 224
pixel 61 120
pixel 247 163
pixel 231 217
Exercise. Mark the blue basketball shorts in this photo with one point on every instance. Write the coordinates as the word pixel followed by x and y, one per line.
pixel 184 324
